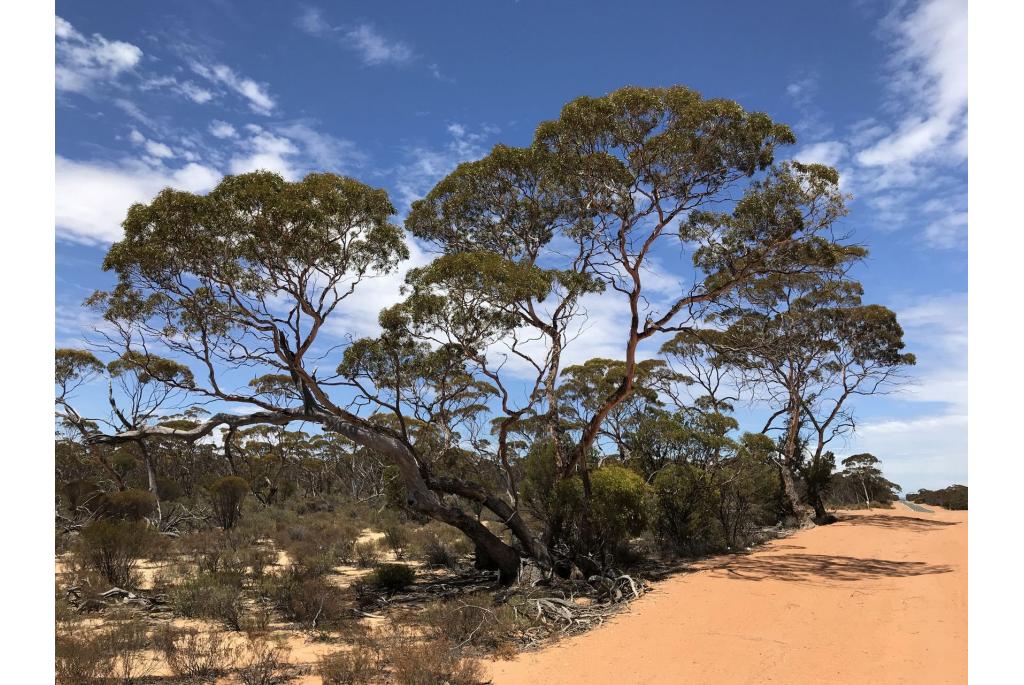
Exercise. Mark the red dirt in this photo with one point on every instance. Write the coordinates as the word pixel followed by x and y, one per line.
pixel 880 597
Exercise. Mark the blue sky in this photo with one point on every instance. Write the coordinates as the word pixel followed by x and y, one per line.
pixel 150 95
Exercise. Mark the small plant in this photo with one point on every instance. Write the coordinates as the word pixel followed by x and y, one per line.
pixel 433 664
pixel 473 620
pixel 208 596
pixel 355 666
pixel 263 662
pixel 194 655
pixel 114 548
pixel 227 495
pixel 81 658
pixel 127 642
pixel 367 553
pixel 393 577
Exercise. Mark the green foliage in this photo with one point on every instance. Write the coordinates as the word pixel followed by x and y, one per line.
pixel 687 503
pixel 953 497
pixel 313 602
pixel 393 577
pixel 128 505
pixel 209 596
pixel 618 509
pixel 227 495
pixel 115 547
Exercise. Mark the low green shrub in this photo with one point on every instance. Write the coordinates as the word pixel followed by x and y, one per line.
pixel 227 495
pixel 127 505
pixel 393 577
pixel 209 596
pixel 114 548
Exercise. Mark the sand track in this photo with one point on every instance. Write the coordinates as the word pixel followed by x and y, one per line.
pixel 880 597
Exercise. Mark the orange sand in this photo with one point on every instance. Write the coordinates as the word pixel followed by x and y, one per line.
pixel 880 597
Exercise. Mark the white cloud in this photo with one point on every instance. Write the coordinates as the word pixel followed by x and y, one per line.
pixel 948 232
pixel 267 152
pixel 158 150
pixel 293 150
pixel 375 49
pixel 83 61
pixel 829 152
pixel 92 198
pixel 426 166
pixel 222 129
pixel 927 451
pixel 312 22
pixel 324 152
pixel 260 100
pixel 930 74
pixel 195 93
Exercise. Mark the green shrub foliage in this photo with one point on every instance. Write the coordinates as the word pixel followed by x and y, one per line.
pixel 227 495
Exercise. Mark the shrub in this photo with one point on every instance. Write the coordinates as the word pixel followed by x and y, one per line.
pixel 257 559
pixel 397 538
pixel 953 497
pixel 440 545
pixel 367 553
pixel 128 505
pixel 393 577
pixel 194 655
pixel 209 596
pixel 227 495
pixel 127 641
pixel 114 548
pixel 686 509
pixel 617 510
pixel 433 664
pixel 81 495
pixel 311 601
pixel 81 658
pixel 355 666
pixel 263 662
pixel 473 619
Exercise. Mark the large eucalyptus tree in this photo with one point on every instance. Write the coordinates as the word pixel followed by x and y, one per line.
pixel 246 282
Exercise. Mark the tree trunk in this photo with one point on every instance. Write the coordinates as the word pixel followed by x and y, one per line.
pixel 796 506
pixel 151 477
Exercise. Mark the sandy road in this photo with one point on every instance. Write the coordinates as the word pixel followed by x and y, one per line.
pixel 880 597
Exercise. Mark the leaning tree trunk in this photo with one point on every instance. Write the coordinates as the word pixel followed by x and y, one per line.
pixel 800 511
pixel 422 498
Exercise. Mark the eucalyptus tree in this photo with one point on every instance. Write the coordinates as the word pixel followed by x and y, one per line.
pixel 806 345
pixel 140 387
pixel 248 279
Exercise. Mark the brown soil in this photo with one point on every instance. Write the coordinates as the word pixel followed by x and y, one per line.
pixel 880 597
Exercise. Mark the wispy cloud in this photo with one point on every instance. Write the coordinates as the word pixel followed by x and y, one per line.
pixel 929 81
pixel 373 47
pixel 86 61
pixel 425 166
pixel 256 94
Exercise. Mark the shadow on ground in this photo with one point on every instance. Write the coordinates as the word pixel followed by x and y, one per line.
pixel 903 522
pixel 808 567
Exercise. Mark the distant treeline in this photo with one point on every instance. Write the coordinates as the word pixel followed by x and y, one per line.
pixel 953 497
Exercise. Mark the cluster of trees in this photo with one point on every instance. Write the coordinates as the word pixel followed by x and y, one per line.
pixel 952 497
pixel 463 408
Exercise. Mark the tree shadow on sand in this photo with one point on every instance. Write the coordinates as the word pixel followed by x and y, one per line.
pixel 897 522
pixel 810 567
